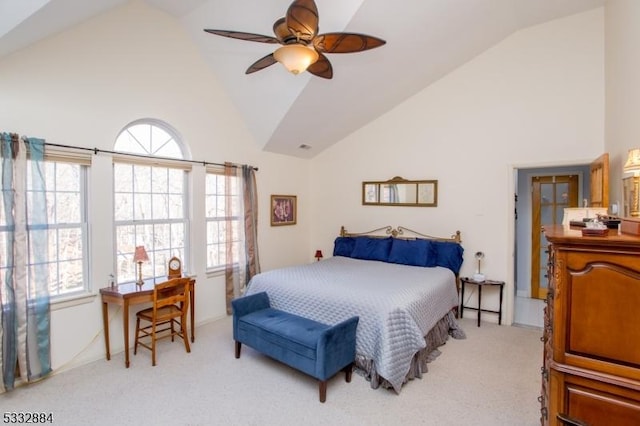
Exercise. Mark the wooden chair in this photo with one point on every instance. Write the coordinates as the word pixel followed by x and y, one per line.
pixel 168 314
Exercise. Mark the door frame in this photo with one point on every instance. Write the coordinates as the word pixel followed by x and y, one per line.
pixel 514 170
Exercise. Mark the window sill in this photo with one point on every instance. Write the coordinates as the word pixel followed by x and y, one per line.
pixel 217 272
pixel 70 301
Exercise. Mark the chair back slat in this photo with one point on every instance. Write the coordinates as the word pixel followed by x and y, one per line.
pixel 167 315
pixel 172 292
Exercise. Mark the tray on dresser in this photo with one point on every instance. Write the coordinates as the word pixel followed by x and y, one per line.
pixel 595 232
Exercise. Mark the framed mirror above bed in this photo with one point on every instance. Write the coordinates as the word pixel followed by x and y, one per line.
pixel 400 192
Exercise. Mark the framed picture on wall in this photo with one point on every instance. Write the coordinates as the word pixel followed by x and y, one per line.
pixel 284 210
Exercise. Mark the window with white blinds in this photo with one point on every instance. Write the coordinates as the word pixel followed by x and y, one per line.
pixel 65 186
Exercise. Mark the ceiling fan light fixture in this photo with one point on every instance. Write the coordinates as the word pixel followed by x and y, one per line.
pixel 303 49
pixel 296 58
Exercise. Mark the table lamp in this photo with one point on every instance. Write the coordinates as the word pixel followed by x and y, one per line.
pixel 318 255
pixel 478 276
pixel 140 256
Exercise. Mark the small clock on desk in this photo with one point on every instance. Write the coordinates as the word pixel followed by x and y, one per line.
pixel 175 268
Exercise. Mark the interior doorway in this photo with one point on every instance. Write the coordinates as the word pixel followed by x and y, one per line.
pixel 529 310
pixel 593 187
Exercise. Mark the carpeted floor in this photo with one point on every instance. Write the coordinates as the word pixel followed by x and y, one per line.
pixel 490 378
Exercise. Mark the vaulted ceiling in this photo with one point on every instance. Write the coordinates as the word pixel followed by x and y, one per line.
pixel 426 39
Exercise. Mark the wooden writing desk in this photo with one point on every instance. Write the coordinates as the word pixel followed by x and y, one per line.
pixel 129 294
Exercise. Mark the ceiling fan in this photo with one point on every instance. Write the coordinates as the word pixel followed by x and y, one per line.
pixel 302 47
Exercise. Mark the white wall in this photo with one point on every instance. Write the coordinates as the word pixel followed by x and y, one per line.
pixel 622 23
pixel 535 99
pixel 82 86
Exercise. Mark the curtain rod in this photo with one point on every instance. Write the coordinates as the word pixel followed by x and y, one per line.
pixel 105 151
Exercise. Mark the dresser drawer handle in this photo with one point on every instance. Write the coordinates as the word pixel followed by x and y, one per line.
pixel 544 372
pixel 544 412
pixel 570 421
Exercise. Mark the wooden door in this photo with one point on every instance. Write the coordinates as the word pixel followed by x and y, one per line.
pixel 550 196
pixel 599 178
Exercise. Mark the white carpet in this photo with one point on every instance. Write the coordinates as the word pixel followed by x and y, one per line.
pixel 491 378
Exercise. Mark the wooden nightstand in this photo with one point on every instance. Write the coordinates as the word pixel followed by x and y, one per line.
pixel 480 284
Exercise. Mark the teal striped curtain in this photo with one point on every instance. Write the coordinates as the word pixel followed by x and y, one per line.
pixel 25 351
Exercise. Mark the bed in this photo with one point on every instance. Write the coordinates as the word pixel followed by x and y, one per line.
pixel 402 284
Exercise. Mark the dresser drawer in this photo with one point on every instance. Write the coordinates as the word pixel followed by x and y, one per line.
pixel 595 402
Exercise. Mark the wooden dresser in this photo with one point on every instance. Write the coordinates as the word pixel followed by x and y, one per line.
pixel 591 362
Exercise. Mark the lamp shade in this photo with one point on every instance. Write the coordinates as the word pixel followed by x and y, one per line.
pixel 296 58
pixel 318 254
pixel 140 255
pixel 633 161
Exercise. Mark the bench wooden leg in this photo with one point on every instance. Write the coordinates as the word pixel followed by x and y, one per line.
pixel 323 390
pixel 238 347
pixel 348 370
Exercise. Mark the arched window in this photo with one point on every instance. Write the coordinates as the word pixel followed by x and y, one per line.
pixel 150 198
pixel 152 138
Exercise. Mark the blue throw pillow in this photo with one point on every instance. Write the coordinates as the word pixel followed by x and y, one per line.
pixel 410 252
pixel 343 246
pixel 368 248
pixel 449 255
pixel 432 254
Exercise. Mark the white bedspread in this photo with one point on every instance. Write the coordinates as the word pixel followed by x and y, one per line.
pixel 397 304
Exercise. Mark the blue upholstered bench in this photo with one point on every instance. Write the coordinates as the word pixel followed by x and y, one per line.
pixel 316 349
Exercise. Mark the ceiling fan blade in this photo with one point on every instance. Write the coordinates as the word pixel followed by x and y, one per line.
pixel 244 36
pixel 302 19
pixel 261 64
pixel 281 30
pixel 346 42
pixel 322 67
